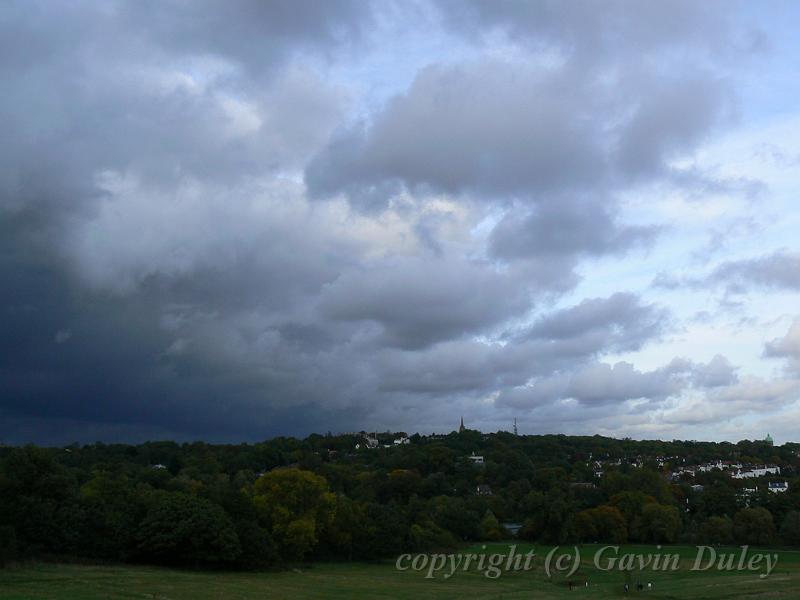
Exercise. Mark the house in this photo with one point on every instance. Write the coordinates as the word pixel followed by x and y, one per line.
pixel 402 440
pixel 778 487
pixel 757 472
pixel 745 495
pixel 369 442
pixel 512 528
pixel 697 488
pixel 711 466
pixel 680 472
pixel 475 459
pixel 584 485
pixel 158 466
pixel 483 490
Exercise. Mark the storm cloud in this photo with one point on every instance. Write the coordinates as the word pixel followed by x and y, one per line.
pixel 232 220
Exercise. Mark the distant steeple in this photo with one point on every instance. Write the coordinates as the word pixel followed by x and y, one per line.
pixel 461 428
pixel 515 426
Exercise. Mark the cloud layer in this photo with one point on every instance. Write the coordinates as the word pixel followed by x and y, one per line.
pixel 206 231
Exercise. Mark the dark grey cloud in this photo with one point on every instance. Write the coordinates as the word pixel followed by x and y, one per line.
pixel 598 383
pixel 488 128
pixel 505 129
pixel 607 96
pixel 717 372
pixel 161 91
pixel 779 270
pixel 557 342
pixel 171 270
pixel 622 322
pixel 135 240
pixel 253 33
pixel 551 136
pixel 571 229
pixel 419 302
pixel 787 348
pixel 600 32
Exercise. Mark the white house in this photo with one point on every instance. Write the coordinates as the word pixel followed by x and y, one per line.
pixel 778 486
pixel 757 472
pixel 476 460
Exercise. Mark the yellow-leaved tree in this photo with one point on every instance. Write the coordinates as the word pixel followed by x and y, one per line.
pixel 296 507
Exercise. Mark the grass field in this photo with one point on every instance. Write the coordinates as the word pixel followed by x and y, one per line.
pixel 331 581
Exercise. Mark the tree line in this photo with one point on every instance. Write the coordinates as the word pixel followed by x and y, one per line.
pixel 287 500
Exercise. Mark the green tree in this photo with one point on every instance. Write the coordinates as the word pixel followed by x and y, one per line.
pixel 183 529
pixel 631 504
pixel 490 528
pixel 585 529
pixel 38 499
pixel 112 512
pixel 337 536
pixel 604 523
pixel 382 532
pixel 718 499
pixel 660 523
pixel 427 536
pixel 717 530
pixel 790 528
pixel 8 544
pixel 454 515
pixel 754 526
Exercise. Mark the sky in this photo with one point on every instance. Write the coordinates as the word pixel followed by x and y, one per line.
pixel 227 221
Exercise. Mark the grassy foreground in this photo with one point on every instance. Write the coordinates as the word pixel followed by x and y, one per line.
pixel 330 581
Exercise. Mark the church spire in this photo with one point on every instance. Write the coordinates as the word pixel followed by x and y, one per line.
pixel 461 427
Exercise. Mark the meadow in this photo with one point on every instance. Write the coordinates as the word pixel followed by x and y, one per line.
pixel 331 581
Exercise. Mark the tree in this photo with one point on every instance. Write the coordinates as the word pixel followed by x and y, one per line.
pixel 336 537
pixel 112 512
pixel 427 536
pixel 631 504
pixel 295 506
pixel 38 499
pixel 454 515
pixel 790 528
pixel 604 523
pixel 717 530
pixel 8 544
pixel 754 526
pixel 660 523
pixel 585 529
pixel 490 528
pixel 718 499
pixel 382 531
pixel 183 529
